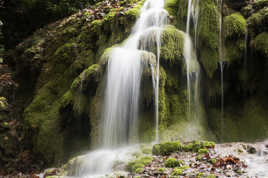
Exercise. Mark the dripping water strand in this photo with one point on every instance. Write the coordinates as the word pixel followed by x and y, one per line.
pixel 192 66
pixel 157 89
pixel 124 69
pixel 222 99
pixel 187 55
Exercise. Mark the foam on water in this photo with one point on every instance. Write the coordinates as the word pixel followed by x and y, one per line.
pixel 119 122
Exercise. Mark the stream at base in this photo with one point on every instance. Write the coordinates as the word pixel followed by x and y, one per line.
pixel 101 162
pixel 257 160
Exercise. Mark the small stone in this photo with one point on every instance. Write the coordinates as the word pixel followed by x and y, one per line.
pixel 251 149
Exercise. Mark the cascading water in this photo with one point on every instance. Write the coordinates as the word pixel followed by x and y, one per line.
pixel 192 66
pixel 195 15
pixel 119 124
pixel 222 96
pixel 121 97
pixel 221 62
pixel 124 75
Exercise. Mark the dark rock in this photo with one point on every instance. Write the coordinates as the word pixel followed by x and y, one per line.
pixel 251 149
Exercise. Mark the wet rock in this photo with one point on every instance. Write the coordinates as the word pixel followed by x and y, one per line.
pixel 251 149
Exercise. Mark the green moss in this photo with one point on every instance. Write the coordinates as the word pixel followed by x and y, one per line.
pixel 176 172
pixel 166 148
pixel 209 36
pixel 172 45
pixel 3 103
pixel 258 22
pixel 173 162
pixel 92 73
pixel 200 175
pixel 146 160
pixel 177 10
pixel 134 12
pixel 197 146
pixel 137 166
pixel 213 160
pixel 259 4
pixel 234 50
pixel 139 170
pixel 184 167
pixel 161 170
pixel 199 157
pixel 234 26
pixel 261 44
pixel 211 176
pixel 172 7
pixel 163 110
pixel 203 151
pixel 147 150
pixel 210 58
pixel 251 117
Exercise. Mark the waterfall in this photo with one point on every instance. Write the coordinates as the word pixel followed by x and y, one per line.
pixel 124 78
pixel 119 123
pixel 221 62
pixel 222 97
pixel 192 66
pixel 124 72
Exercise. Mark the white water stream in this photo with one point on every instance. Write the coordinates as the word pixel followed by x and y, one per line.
pixel 192 65
pixel 119 126
pixel 221 63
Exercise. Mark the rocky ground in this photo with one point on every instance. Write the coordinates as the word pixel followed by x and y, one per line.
pixel 197 159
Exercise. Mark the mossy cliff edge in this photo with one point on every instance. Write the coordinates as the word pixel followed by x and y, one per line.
pixel 60 75
pixel 58 78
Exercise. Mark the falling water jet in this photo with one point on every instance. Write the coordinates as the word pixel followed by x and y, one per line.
pixel 222 98
pixel 195 16
pixel 190 56
pixel 124 71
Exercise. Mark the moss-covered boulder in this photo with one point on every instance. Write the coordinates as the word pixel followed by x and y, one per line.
pixel 209 36
pixel 166 148
pixel 196 146
pixel 136 166
pixel 59 79
pixel 172 41
pixel 173 162
pixel 177 10
pixel 234 26
pixel 261 44
pixel 258 22
pixel 235 29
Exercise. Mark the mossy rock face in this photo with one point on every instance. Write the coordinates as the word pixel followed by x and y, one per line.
pixel 246 123
pixel 234 29
pixel 237 5
pixel 137 166
pixel 258 22
pixel 209 36
pixel 172 41
pixel 166 148
pixel 261 44
pixel 3 104
pixel 177 172
pixel 173 162
pixel 234 26
pixel 172 7
pixel 197 146
pixel 177 10
pixel 52 65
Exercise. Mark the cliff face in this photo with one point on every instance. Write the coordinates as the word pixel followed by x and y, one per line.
pixel 58 74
